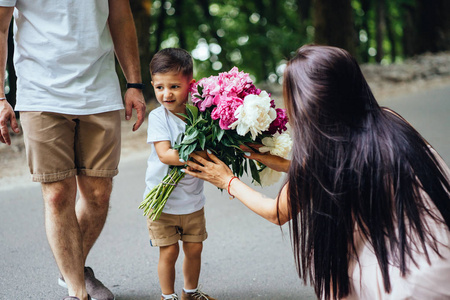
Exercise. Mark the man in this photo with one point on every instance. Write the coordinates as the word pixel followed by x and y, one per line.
pixel 69 100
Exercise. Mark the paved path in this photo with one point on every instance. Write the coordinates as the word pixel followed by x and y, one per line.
pixel 244 257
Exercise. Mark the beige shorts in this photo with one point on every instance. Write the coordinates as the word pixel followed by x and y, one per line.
pixel 169 229
pixel 59 146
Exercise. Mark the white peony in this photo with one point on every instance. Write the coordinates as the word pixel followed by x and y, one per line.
pixel 279 145
pixel 254 115
pixel 269 176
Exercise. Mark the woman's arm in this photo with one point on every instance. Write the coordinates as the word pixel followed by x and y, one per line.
pixel 274 162
pixel 166 154
pixel 217 173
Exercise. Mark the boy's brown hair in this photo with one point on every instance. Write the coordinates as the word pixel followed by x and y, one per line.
pixel 172 60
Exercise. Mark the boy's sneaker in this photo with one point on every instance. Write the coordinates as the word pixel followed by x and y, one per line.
pixel 197 295
pixel 94 287
pixel 75 298
pixel 174 297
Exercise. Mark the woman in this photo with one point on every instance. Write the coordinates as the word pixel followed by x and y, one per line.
pixel 367 197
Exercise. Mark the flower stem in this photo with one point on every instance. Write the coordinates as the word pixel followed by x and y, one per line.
pixel 156 199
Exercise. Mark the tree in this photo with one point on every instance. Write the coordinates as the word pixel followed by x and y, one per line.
pixel 380 28
pixel 427 26
pixel 141 14
pixel 333 22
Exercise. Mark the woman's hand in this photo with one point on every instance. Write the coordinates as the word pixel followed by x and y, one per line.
pixel 212 170
pixel 274 162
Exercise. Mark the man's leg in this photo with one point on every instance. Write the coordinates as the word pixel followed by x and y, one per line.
pixel 64 234
pixel 92 208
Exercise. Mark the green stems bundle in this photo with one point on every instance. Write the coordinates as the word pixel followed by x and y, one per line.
pixel 156 199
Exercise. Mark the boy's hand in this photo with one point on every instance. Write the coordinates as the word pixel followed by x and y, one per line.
pixel 135 99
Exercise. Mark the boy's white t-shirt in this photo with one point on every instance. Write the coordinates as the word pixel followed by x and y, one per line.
pixel 64 57
pixel 188 196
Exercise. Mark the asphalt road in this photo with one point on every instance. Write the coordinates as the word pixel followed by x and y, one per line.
pixel 245 257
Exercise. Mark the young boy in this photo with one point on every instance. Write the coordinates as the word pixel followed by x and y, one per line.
pixel 183 216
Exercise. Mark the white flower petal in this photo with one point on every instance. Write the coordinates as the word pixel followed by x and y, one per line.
pixel 269 177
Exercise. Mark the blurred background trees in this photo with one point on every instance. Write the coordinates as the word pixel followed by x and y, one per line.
pixel 258 36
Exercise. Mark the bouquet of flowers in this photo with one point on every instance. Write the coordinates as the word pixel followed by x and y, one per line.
pixel 228 111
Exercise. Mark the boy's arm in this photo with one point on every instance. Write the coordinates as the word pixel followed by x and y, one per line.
pixel 166 154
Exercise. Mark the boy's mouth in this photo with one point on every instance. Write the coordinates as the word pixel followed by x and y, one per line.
pixel 169 101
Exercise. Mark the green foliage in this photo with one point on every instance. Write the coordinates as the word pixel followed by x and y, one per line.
pixel 202 131
pixel 260 35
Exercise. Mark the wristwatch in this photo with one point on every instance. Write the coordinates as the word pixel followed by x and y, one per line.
pixel 139 86
pixel 2 98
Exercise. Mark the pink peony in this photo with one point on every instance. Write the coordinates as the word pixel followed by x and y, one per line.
pixel 225 109
pixel 279 124
pixel 230 84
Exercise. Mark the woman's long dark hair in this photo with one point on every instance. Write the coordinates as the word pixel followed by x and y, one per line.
pixel 354 164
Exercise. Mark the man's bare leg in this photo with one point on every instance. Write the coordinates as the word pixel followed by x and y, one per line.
pixel 92 208
pixel 64 234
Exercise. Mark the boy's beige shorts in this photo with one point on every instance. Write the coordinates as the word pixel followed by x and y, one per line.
pixel 59 146
pixel 169 229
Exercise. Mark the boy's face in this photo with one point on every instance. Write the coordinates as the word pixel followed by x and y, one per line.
pixel 172 90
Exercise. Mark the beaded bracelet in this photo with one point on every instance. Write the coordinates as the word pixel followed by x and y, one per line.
pixel 228 189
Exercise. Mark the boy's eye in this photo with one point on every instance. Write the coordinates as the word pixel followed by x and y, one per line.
pixel 159 87
pixel 175 86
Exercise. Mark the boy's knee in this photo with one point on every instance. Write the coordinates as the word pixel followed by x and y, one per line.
pixel 192 249
pixel 169 252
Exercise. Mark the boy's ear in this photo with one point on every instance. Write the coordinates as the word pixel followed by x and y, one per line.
pixel 152 83
pixel 192 81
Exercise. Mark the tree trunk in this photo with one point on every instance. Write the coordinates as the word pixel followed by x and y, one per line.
pixel 178 5
pixel 304 9
pixel 391 36
pixel 333 22
pixel 142 20
pixel 409 34
pixel 364 48
pixel 433 25
pixel 380 29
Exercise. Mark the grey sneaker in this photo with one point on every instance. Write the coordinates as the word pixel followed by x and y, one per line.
pixel 75 298
pixel 94 287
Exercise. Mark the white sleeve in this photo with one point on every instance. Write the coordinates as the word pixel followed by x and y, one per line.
pixel 157 127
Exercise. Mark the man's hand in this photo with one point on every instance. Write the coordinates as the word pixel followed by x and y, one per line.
pixel 7 116
pixel 134 99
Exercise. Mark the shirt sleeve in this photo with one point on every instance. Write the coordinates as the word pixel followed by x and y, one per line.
pixel 157 127
pixel 8 3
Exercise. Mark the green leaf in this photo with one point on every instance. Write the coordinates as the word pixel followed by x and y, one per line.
pixel 190 149
pixel 183 115
pixel 254 171
pixel 190 137
pixel 220 135
pixel 202 140
pixel 193 110
pixel 200 89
